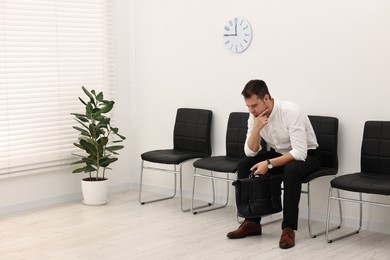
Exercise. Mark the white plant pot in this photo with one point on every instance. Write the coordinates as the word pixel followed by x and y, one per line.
pixel 95 193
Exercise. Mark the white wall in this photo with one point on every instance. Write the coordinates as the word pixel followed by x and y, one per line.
pixel 331 57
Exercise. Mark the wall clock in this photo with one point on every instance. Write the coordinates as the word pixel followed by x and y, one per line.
pixel 237 34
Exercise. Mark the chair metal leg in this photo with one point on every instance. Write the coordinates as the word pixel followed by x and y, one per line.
pixel 330 240
pixel 192 208
pixel 159 199
pixel 193 194
pixel 174 172
pixel 213 189
pixel 309 220
pixel 216 207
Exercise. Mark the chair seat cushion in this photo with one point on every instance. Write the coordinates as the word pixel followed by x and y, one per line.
pixel 218 163
pixel 171 156
pixel 323 171
pixel 375 183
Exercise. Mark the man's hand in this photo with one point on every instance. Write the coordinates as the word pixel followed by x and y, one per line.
pixel 261 120
pixel 260 168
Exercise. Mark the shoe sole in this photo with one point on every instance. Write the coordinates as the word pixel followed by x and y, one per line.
pixel 247 235
pixel 286 246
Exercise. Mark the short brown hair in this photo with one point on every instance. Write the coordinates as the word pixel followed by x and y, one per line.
pixel 255 87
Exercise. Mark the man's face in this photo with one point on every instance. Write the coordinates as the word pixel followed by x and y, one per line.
pixel 255 105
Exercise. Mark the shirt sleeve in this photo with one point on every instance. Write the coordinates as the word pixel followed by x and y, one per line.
pixel 249 152
pixel 297 130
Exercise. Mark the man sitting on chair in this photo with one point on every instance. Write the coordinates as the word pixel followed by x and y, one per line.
pixel 291 151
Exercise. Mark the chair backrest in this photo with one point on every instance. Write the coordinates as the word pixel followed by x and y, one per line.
pixel 236 133
pixel 326 130
pixel 193 130
pixel 375 151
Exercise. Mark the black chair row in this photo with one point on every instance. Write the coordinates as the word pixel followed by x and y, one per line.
pixel 191 141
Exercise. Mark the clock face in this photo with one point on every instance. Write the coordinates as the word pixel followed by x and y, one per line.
pixel 237 34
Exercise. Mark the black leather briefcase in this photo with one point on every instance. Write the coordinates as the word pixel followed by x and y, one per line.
pixel 258 196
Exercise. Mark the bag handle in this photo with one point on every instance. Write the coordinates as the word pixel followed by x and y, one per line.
pixel 252 175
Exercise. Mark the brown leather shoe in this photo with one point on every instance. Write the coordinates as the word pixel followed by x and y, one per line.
pixel 247 228
pixel 287 240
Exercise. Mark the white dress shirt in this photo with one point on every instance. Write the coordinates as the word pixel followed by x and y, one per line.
pixel 288 130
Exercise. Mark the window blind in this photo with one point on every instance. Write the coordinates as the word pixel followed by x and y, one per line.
pixel 48 50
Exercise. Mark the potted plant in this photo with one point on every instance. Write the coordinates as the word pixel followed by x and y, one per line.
pixel 98 144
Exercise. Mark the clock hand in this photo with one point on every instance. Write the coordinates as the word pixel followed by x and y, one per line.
pixel 230 34
pixel 235 30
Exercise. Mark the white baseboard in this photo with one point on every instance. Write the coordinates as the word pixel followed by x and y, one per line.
pixel 33 204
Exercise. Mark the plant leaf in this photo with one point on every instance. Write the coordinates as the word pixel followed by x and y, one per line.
pixel 121 136
pixel 107 107
pixel 89 148
pixel 100 96
pixel 87 92
pixel 103 141
pixel 114 148
pixel 104 162
pixel 82 131
pixel 78 170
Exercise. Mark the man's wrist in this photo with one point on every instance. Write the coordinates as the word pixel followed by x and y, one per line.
pixel 269 164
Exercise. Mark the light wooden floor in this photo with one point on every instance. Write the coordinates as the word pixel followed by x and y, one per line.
pixel 123 229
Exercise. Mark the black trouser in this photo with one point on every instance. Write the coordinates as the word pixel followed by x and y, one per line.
pixel 292 174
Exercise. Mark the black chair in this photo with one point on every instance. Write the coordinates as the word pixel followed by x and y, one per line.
pixel 235 140
pixel 326 130
pixel 191 140
pixel 374 175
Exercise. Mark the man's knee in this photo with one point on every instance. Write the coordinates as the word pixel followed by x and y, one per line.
pixel 292 171
pixel 293 167
pixel 298 169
